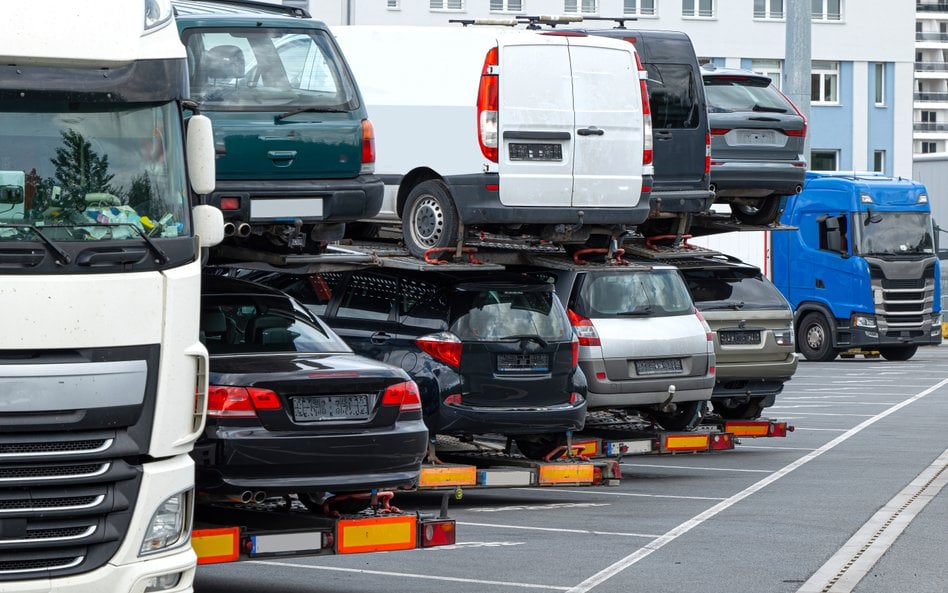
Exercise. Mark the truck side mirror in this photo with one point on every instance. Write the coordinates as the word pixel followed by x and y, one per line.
pixel 208 225
pixel 202 171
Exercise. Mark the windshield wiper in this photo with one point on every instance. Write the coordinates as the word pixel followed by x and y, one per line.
pixel 62 257
pixel 158 251
pixel 646 310
pixel 311 110
pixel 536 339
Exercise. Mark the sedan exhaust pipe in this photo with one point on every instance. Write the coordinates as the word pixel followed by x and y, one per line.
pixel 229 229
pixel 244 230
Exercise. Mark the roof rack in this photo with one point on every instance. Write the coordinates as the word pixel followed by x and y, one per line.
pixel 508 22
pixel 255 4
pixel 618 20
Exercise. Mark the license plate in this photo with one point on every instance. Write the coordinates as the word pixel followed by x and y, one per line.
pixel 739 337
pixel 286 208
pixel 535 152
pixel 523 362
pixel 757 137
pixel 658 366
pixel 331 407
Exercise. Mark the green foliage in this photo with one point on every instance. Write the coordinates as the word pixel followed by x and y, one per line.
pixel 80 170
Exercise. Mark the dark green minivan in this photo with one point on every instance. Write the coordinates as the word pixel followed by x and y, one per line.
pixel 295 148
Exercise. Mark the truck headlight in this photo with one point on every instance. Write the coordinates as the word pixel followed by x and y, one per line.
pixel 157 14
pixel 784 337
pixel 864 321
pixel 169 524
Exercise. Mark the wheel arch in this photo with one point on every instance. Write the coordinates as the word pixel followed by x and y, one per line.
pixel 408 183
pixel 807 307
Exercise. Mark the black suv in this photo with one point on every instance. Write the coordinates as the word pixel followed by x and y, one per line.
pixel 490 353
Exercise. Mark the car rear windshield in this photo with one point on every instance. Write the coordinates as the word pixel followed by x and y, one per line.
pixel 485 313
pixel 246 324
pixel 739 94
pixel 657 293
pixel 738 288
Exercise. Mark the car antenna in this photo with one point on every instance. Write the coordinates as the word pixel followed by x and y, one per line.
pixel 619 20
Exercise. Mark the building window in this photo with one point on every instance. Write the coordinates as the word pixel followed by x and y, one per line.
pixel 827 10
pixel 929 117
pixel 768 9
pixel 697 8
pixel 928 147
pixel 824 160
pixel 447 5
pixel 824 82
pixel 880 84
pixel 506 5
pixel 639 7
pixel 771 68
pixel 581 6
pixel 878 161
pixel 392 4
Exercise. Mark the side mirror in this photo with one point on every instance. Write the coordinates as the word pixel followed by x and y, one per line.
pixel 208 225
pixel 201 166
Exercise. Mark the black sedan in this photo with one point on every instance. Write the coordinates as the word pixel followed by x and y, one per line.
pixel 292 410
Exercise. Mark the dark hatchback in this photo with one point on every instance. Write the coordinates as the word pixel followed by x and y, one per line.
pixel 490 353
pixel 292 410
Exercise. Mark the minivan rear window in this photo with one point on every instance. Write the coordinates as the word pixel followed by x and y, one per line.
pixel 732 289
pixel 495 314
pixel 672 96
pixel 658 293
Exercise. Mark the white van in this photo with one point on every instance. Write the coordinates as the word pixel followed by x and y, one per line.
pixel 507 131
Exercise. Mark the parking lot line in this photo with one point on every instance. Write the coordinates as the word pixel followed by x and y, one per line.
pixel 743 446
pixel 796 428
pixel 707 469
pixel 557 530
pixel 611 493
pixel 657 544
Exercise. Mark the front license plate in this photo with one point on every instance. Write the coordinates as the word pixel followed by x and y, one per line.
pixel 739 337
pixel 535 152
pixel 523 362
pixel 312 408
pixel 657 366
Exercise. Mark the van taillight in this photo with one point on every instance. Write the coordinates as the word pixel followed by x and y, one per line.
pixel 239 402
pixel 404 395
pixel 443 346
pixel 707 153
pixel 368 147
pixel 646 114
pixel 487 106
pixel 587 334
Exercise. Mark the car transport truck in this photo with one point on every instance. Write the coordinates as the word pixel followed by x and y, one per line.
pixel 102 376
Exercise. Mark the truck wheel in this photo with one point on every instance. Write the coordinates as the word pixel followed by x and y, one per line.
pixel 749 410
pixel 686 416
pixel 537 446
pixel 815 338
pixel 429 219
pixel 764 211
pixel 898 352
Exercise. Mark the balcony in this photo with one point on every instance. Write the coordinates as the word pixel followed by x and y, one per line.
pixel 929 7
pixel 930 36
pixel 928 126
pixel 932 97
pixel 931 66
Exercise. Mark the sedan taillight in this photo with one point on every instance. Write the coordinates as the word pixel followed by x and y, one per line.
pixel 404 395
pixel 239 402
pixel 443 346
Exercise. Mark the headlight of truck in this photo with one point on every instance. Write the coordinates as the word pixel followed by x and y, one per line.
pixel 157 14
pixel 864 321
pixel 784 337
pixel 169 524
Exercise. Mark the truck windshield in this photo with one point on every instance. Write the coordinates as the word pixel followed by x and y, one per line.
pixel 894 233
pixel 89 173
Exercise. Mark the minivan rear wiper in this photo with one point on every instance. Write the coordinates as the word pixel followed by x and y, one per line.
pixel 61 256
pixel 543 343
pixel 644 310
pixel 327 109
pixel 769 108
pixel 737 305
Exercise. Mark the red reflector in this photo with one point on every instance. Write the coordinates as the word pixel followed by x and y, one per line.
pixel 719 131
pixel 454 399
pixel 438 533
pixel 230 203
pixel 575 398
pixel 646 188
pixel 264 399
pixel 444 347
pixel 404 395
pixel 722 442
pixel 601 376
pixel 711 370
pixel 492 187
pixel 796 133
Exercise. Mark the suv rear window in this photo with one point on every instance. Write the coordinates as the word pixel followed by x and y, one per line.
pixel 482 313
pixel 658 293
pixel 718 288
pixel 740 94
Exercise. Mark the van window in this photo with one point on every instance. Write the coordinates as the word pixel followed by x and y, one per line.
pixel 672 95
pixel 658 293
pixel 490 315
pixel 369 296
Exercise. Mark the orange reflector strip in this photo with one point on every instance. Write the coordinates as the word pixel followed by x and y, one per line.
pixel 588 448
pixel 448 475
pixel 566 473
pixel 216 545
pixel 376 534
pixel 686 442
pixel 747 428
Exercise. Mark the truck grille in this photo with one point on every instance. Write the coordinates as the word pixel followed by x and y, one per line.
pixel 86 446
pixel 907 303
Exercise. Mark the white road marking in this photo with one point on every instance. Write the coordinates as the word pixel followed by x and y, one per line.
pixel 558 530
pixel 415 576
pixel 653 546
pixel 743 446
pixel 806 413
pixel 796 428
pixel 709 469
pixel 611 493
pixel 539 507
pixel 855 559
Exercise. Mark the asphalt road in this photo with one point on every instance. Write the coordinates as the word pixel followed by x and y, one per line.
pixel 850 501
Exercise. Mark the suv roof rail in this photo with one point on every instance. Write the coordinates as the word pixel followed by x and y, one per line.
pixel 255 4
pixel 619 20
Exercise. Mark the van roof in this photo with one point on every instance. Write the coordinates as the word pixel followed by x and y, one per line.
pixel 235 8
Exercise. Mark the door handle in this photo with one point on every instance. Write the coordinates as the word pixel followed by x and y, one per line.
pixel 662 135
pixel 380 338
pixel 590 131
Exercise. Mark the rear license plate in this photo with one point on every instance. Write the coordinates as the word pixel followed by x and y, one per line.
pixel 757 137
pixel 657 366
pixel 523 362
pixel 739 337
pixel 286 208
pixel 330 407
pixel 535 152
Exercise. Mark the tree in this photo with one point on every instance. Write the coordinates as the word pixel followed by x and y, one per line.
pixel 79 170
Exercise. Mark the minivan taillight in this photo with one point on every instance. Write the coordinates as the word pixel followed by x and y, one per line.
pixel 368 147
pixel 239 402
pixel 708 334
pixel 487 106
pixel 443 346
pixel 646 114
pixel 404 395
pixel 587 334
pixel 707 152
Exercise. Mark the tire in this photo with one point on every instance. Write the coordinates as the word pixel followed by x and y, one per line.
pixel 815 338
pixel 749 410
pixel 686 416
pixel 537 446
pixel 314 502
pixel 766 211
pixel 430 219
pixel 898 352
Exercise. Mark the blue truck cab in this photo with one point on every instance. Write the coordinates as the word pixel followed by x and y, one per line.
pixel 860 271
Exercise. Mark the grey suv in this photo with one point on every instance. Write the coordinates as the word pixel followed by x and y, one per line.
pixel 753 333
